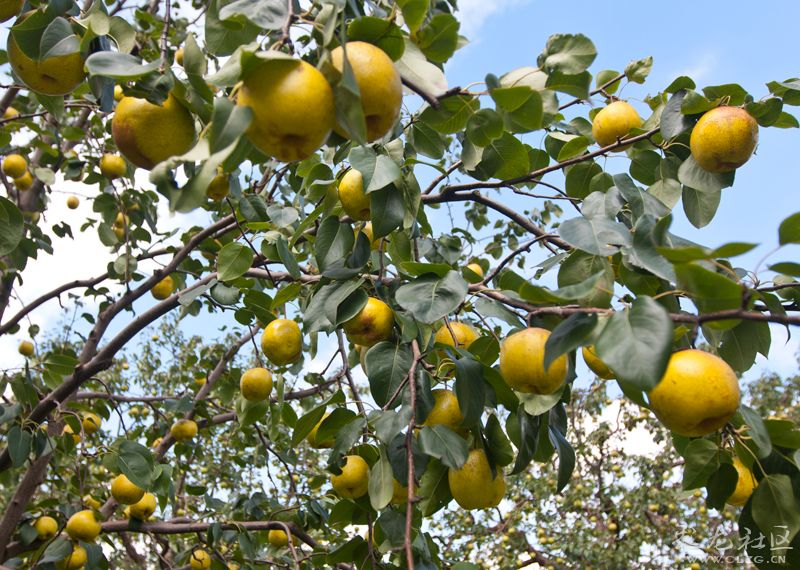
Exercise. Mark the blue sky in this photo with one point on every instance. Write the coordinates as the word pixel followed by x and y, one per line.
pixel 711 44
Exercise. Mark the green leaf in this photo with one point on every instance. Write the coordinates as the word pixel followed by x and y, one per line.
pixel 265 15
pixel 223 38
pixel 430 298
pixel 721 484
pixel 789 230
pixel 503 158
pixel 438 39
pixel 484 126
pixel 228 123
pixel 694 176
pixel 786 268
pixel 414 12
pixel 426 141
pixel 637 71
pixel 349 110
pixel 537 404
pixel 596 236
pixel 377 170
pixel 452 114
pixel 567 53
pixel 233 261
pixel 381 483
pixel 499 448
pixel 306 423
pixel 741 343
pixel 118 65
pixel 757 429
pixel 57 550
pixel 775 507
pixel 136 462
pixel 709 290
pixel 334 242
pixel 700 207
pixel 694 103
pixel 579 178
pixel 388 366
pixel 12 226
pixel 287 258
pixel 576 85
pixel 636 343
pixel 673 121
pixel 566 457
pixel 19 445
pixel 568 335
pixel 415 268
pixel 702 460
pixel 444 444
pixel 415 67
pixel 470 390
pixel 387 210
pixel 377 31
pixel 543 296
pixel 735 93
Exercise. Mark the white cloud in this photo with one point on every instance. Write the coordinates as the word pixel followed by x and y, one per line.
pixel 473 13
pixel 702 67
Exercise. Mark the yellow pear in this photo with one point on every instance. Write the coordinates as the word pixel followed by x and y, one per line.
pixel 219 187
pixel 200 560
pixel 282 341
pixel 83 526
pixel 124 491
pixel 373 243
pixel 744 485
pixel 148 134
pixel 614 122
pixel 352 483
pixel 183 430
pixel 179 56
pixel 278 538
pixel 24 182
pixel 46 527
pixel 75 560
pixel 112 166
pixel 698 394
pixel 56 75
pixel 26 348
pixel 595 364
pixel 354 201
pixel 15 165
pixel 91 502
pixel 118 93
pixel 477 270
pixel 522 363
pixel 256 384
pixel 372 324
pixel 76 437
pixel 163 289
pixel 312 436
pixel 144 508
pixel 465 335
pixel 378 83
pixel 473 486
pixel 724 139
pixel 91 423
pixel 293 110
pixel 446 410
pixel 73 202
pixel 10 113
pixel 10 8
pixel 400 493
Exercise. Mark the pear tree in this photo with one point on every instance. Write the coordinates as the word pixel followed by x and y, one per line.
pixel 347 305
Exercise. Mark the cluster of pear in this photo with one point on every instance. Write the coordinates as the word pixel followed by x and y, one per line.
pixel 722 140
pixel 15 166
